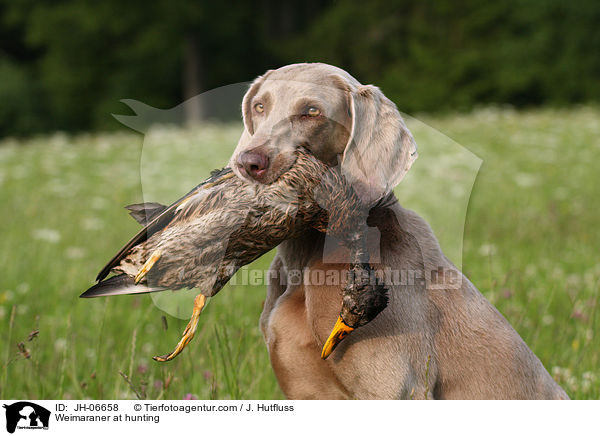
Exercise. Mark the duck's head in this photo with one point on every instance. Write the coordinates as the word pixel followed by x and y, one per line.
pixel 364 297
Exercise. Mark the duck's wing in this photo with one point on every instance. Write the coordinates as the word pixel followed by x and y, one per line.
pixel 118 285
pixel 164 218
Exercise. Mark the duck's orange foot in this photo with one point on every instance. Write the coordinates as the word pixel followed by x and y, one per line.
pixel 188 333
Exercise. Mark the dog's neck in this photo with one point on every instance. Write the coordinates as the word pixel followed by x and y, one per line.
pixel 299 252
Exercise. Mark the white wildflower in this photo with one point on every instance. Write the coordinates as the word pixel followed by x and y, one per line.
pixel 148 348
pixel 92 223
pixel 487 249
pixel 60 344
pixel 561 193
pixel 547 319
pixel 23 288
pixel 588 375
pixel 74 253
pixel 525 180
pixel 99 203
pixel 22 309
pixel 47 235
pixel 531 270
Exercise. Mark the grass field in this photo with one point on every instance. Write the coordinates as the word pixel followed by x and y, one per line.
pixel 531 245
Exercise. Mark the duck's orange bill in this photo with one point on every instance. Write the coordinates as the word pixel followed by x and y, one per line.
pixel 339 332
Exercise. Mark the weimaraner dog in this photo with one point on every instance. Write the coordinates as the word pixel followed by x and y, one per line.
pixel 435 340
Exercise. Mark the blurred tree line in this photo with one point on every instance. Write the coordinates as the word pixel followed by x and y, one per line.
pixel 66 64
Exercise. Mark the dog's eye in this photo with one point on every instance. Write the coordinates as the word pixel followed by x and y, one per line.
pixel 258 107
pixel 313 112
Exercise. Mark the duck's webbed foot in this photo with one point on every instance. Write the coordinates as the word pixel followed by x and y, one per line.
pixel 188 333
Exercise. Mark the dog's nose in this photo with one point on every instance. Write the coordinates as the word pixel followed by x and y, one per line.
pixel 254 163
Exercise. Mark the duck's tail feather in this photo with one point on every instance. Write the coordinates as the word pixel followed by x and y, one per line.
pixel 160 220
pixel 118 285
pixel 143 213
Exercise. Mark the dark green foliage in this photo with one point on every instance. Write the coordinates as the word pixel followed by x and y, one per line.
pixel 443 55
pixel 66 65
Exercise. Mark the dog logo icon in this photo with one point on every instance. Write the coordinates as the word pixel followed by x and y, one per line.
pixel 26 415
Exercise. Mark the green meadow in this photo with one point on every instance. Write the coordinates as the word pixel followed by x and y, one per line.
pixel 512 195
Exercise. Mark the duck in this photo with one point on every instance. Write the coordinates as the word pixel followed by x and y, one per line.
pixel 364 295
pixel 203 238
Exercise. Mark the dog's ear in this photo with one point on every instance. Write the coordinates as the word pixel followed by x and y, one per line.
pixel 380 148
pixel 247 102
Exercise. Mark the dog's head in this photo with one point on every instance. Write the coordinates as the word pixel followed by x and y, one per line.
pixel 329 112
